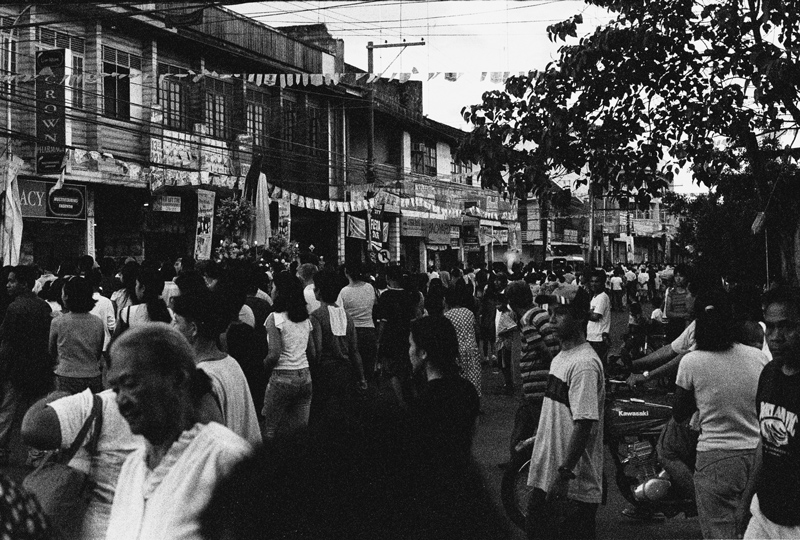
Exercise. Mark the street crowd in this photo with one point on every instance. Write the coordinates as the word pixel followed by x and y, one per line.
pixel 243 399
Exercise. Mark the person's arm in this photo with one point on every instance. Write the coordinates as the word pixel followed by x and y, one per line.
pixel 275 344
pixel 684 405
pixel 311 347
pixel 41 428
pixel 668 313
pixel 665 370
pixel 656 358
pixel 581 432
pixel 52 344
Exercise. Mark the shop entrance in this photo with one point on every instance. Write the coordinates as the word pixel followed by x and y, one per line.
pixel 48 242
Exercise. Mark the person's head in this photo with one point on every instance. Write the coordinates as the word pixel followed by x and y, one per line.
pixel 394 275
pixel 190 282
pixel 184 264
pixel 149 285
pixel 327 286
pixel 566 322
pixel 199 317
pixel 750 333
pixel 212 273
pixel 433 345
pixel 85 264
pixel 129 274
pixel 635 309
pixel 682 275
pixel 21 279
pixel 519 297
pixel 288 297
pixel 597 281
pixel 77 295
pixel 782 318
pixel 354 269
pixel 306 273
pixel 714 322
pixel 434 301
pixel 152 366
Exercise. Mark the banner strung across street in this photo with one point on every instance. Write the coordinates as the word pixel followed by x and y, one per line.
pixel 205 224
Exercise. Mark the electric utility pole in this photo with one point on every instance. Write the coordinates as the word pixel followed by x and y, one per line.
pixel 371 69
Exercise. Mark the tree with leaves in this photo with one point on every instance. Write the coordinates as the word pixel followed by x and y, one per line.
pixel 667 85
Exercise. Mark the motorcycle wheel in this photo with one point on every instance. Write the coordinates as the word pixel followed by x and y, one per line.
pixel 625 483
pixel 514 489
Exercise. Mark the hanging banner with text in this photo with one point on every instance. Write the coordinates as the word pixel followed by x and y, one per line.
pixel 376 230
pixel 205 224
pixel 51 133
pixel 284 218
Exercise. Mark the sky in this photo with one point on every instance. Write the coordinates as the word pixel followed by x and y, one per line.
pixel 467 37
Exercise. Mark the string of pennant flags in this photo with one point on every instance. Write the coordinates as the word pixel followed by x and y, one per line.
pixel 273 79
pixel 386 199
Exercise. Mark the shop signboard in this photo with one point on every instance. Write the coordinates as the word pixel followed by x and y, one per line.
pixel 69 202
pixel 470 235
pixel 492 203
pixel 411 226
pixel 438 232
pixel 51 131
pixel 167 203
pixel 205 224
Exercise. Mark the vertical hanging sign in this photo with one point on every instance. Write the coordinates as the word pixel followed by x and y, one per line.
pixel 375 230
pixel 205 224
pixel 51 133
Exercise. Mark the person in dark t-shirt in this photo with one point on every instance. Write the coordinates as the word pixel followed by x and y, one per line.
pixel 775 506
pixel 393 313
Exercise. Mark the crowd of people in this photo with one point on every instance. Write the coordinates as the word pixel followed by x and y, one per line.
pixel 265 400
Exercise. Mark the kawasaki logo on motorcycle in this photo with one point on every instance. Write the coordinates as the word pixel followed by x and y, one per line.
pixel 634 413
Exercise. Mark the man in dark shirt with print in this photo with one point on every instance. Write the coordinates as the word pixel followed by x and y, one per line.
pixel 26 369
pixel 775 507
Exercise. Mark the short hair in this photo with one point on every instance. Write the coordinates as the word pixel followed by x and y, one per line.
pixel 202 308
pixel 598 274
pixel 190 282
pixel 394 273
pixel 436 335
pixel 519 295
pixel 187 263
pixel 683 269
pixel 79 291
pixel 306 271
pixel 328 285
pixel 25 274
pixel 164 347
pixel 783 294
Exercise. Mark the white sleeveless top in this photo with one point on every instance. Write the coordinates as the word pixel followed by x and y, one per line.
pixel 295 340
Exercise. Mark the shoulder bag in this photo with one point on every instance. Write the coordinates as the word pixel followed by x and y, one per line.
pixel 63 491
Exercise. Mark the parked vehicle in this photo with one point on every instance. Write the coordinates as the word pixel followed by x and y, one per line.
pixel 632 426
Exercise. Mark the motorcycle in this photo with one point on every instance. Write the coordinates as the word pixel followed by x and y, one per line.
pixel 632 426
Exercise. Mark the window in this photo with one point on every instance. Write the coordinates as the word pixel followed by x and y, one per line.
pixel 117 87
pixel 117 92
pixel 257 107
pixel 255 124
pixel 217 100
pixel 423 158
pixel 289 124
pixel 461 172
pixel 76 83
pixel 172 96
pixel 317 130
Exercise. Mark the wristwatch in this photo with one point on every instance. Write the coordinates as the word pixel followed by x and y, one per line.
pixel 565 473
pixel 646 374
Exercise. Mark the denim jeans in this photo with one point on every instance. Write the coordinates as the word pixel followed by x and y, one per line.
pixel 719 480
pixel 288 398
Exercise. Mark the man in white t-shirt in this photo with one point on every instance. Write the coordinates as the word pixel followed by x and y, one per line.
pixel 567 459
pixel 598 329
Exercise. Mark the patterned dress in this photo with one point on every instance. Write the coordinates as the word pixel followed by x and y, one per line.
pixel 469 357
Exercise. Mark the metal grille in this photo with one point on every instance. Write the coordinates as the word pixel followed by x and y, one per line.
pixel 47 36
